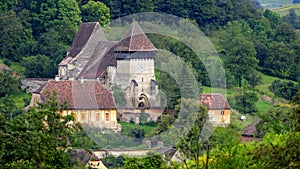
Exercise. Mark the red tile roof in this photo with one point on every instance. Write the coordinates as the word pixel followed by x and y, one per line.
pixel 79 95
pixel 135 40
pixel 215 101
pixel 251 129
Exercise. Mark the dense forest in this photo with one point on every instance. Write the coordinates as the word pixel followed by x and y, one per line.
pixel 251 41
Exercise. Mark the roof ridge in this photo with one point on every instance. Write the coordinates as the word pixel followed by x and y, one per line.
pixel 131 34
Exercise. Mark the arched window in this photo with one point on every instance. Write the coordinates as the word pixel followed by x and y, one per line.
pixel 107 116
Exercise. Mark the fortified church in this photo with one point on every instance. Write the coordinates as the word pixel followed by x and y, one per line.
pixel 93 66
pixel 127 64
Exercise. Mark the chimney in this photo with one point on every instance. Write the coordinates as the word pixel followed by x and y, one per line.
pixel 57 78
pixel 81 79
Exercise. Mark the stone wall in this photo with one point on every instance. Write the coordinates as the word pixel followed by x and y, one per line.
pixel 32 84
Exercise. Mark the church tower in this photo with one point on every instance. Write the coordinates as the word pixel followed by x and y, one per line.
pixel 135 56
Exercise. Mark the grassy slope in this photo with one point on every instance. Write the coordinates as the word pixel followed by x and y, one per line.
pixel 278 2
pixel 285 9
pixel 19 99
pixel 126 127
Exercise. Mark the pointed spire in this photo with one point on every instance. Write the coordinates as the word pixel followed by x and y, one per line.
pixel 135 40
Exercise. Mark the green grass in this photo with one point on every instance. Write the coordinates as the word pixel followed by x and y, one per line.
pixel 263 106
pixel 126 127
pixel 285 9
pixel 278 2
pixel 235 118
pixel 266 82
pixel 19 97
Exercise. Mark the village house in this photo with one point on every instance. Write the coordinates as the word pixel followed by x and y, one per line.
pixel 218 108
pixel 249 133
pixel 88 101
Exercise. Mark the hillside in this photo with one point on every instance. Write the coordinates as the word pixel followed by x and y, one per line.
pixel 274 3
pixel 285 9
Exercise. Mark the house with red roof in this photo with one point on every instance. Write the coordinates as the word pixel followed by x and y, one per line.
pixel 218 108
pixel 88 101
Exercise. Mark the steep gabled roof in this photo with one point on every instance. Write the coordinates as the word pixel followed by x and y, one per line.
pixel 135 40
pixel 84 33
pixel 78 95
pixel 215 101
pixel 102 57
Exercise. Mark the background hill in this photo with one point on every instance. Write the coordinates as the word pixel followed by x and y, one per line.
pixel 274 3
pixel 285 9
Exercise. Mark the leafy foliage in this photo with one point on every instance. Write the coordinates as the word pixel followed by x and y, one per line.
pixel 245 101
pixel 284 89
pixel 96 12
pixel 38 66
pixel 151 161
pixel 9 83
pixel 37 138
pixel 192 144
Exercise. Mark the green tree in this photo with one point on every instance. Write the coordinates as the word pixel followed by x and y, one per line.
pixel 278 121
pixel 290 17
pixel 285 33
pixel 8 108
pixel 245 101
pixel 164 124
pixel 137 133
pixel 7 5
pixel 39 66
pixel 273 17
pixel 9 83
pixel 283 89
pixel 13 35
pixel 240 58
pixel 56 40
pixel 280 150
pixel 227 150
pixel 192 144
pixel 96 12
pixel 45 14
pixel 69 10
pixel 151 161
pixel 280 60
pixel 254 78
pixel 36 139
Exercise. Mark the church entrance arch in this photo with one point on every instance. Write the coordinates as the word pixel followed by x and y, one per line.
pixel 143 102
